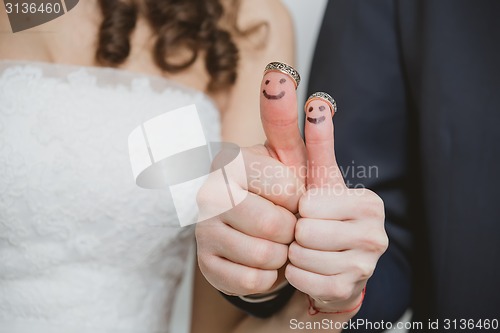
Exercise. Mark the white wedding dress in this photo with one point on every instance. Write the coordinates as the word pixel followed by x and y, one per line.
pixel 83 248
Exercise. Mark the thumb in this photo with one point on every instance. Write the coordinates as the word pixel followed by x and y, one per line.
pixel 322 168
pixel 278 109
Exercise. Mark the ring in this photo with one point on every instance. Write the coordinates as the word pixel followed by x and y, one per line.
pixel 285 69
pixel 325 98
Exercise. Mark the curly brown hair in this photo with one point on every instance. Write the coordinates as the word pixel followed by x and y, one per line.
pixel 191 25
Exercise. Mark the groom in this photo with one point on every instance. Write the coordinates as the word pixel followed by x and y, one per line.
pixel 418 84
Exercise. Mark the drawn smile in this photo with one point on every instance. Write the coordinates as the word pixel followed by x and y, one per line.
pixel 268 96
pixel 316 120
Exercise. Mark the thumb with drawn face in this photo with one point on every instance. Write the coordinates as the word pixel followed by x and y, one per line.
pixel 280 120
pixel 340 234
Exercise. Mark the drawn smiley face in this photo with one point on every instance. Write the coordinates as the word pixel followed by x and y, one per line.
pixel 316 111
pixel 275 85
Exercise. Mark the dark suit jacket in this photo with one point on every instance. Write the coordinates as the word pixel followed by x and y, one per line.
pixel 417 83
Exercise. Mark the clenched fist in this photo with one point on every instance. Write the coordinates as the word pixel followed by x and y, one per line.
pixel 297 214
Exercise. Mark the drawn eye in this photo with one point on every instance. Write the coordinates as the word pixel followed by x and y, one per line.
pixel 310 109
pixel 282 81
pixel 322 108
pixel 267 82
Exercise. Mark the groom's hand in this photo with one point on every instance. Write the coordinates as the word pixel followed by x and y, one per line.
pixel 340 234
pixel 241 250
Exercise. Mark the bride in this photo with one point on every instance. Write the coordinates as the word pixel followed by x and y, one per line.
pixel 82 248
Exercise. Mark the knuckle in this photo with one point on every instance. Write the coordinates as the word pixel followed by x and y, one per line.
pixel 281 255
pixel 302 231
pixel 204 197
pixel 287 230
pixel 205 232
pixel 250 282
pixel 213 193
pixel 200 233
pixel 376 242
pixel 364 270
pixel 380 242
pixel 254 282
pixel 205 262
pixel 268 224
pixel 340 291
pixel 277 225
pixel 373 205
pixel 383 243
pixel 242 209
pixel 294 252
pixel 263 251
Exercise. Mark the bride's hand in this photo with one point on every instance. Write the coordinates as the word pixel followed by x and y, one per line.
pixel 241 250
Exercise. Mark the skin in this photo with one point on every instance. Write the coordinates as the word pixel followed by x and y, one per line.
pixel 327 251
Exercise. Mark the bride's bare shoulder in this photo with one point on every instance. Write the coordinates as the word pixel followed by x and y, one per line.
pixel 271 14
pixel 262 9
pixel 68 38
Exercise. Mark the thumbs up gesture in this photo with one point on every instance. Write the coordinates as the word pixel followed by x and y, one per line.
pixel 298 213
pixel 340 234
